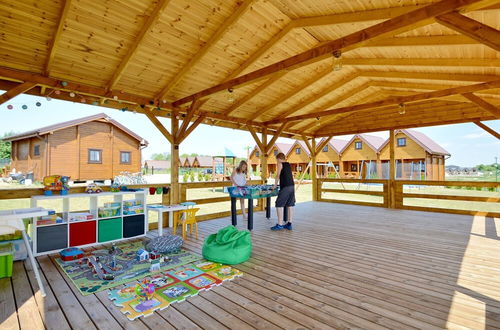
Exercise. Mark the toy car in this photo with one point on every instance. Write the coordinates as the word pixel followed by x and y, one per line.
pixel 92 188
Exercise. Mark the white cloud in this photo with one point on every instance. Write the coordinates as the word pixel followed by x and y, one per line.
pixel 475 135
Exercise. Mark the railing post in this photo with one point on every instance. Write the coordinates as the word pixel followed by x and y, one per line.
pixel 392 170
pixel 313 170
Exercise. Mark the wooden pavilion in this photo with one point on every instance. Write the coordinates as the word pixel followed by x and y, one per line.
pixel 304 69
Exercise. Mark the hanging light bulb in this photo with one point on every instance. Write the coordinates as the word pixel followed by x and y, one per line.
pixel 337 60
pixel 402 108
pixel 48 98
pixel 230 95
pixel 318 122
pixel 72 94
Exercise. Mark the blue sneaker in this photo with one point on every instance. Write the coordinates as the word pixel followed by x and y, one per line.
pixel 277 227
pixel 288 226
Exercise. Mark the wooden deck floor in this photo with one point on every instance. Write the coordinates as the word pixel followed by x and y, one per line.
pixel 343 266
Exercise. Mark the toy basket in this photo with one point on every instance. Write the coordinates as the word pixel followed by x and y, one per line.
pixel 6 259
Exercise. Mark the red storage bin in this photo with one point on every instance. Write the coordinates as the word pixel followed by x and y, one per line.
pixel 81 233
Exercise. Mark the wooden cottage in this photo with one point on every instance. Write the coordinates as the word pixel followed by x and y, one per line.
pixel 255 156
pixel 360 150
pixel 90 148
pixel 204 161
pixel 328 159
pixel 299 157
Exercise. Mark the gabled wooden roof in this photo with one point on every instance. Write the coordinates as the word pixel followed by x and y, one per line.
pixel 422 140
pixel 74 122
pixel 440 59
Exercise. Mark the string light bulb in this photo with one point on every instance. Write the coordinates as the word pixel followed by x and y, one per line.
pixel 337 60
pixel 402 108
pixel 230 95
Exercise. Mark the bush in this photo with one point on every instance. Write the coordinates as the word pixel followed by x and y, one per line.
pixel 207 177
pixel 200 176
pixel 479 188
pixel 191 176
pixel 491 188
pixel 185 177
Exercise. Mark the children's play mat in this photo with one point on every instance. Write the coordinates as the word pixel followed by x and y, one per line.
pixel 104 269
pixel 158 291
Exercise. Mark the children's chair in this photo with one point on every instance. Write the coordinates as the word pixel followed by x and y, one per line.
pixel 188 219
pixel 178 216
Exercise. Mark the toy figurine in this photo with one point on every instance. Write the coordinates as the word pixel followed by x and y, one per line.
pixel 92 188
pixel 115 187
pixel 56 183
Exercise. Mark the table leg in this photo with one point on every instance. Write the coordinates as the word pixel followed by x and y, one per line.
pixel 268 207
pixel 250 214
pixel 160 223
pixel 285 214
pixel 33 263
pixel 234 220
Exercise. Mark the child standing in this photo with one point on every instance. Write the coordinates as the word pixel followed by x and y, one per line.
pixel 239 179
pixel 286 196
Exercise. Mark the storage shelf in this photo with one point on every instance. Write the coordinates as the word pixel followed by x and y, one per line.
pixel 129 215
pixel 114 217
pixel 52 224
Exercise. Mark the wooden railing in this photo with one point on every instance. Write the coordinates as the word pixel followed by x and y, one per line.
pixel 403 198
pixel 346 188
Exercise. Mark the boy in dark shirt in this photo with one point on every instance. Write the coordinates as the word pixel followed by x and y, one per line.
pixel 286 196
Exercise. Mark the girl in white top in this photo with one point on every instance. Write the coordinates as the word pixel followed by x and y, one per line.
pixel 239 179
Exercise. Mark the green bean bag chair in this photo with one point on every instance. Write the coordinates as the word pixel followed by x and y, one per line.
pixel 229 246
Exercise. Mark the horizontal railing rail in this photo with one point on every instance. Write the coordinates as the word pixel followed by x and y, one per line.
pixel 384 193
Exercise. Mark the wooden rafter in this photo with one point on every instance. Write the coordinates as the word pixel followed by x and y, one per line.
pixel 160 127
pixel 491 108
pixel 438 62
pixel 254 93
pixel 488 129
pixel 275 137
pixel 471 28
pixel 189 115
pixel 399 24
pixel 57 35
pixel 323 144
pixel 308 145
pixel 240 11
pixel 395 100
pixel 150 22
pixel 445 40
pixel 191 128
pixel 261 146
pixel 15 91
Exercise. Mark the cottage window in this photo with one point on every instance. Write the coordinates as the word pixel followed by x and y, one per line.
pixel 276 152
pixel 325 149
pixel 36 150
pixel 22 150
pixel 336 167
pixel 401 142
pixel 297 151
pixel 354 167
pixel 257 154
pixel 95 156
pixel 358 145
pixel 124 157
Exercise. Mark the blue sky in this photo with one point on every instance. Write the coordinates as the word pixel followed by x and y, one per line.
pixel 468 144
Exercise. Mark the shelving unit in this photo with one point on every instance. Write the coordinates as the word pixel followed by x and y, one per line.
pixel 51 238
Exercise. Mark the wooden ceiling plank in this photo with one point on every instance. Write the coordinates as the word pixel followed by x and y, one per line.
pixel 57 35
pixel 392 26
pixel 160 126
pixel 275 137
pixel 16 90
pixel 491 108
pixel 395 100
pixel 243 6
pixel 488 129
pixel 150 22
pixel 472 29
pixel 254 93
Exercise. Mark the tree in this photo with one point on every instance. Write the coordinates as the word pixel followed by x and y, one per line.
pixel 162 156
pixel 5 147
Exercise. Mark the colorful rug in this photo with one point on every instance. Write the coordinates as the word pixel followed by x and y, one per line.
pixel 124 265
pixel 157 292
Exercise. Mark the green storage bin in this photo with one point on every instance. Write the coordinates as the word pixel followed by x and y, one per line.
pixel 110 229
pixel 6 259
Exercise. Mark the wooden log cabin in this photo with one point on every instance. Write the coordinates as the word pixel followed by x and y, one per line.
pixel 91 148
pixel 364 156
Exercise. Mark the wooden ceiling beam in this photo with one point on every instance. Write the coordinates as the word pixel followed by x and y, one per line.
pixel 275 137
pixel 189 115
pixel 261 146
pixel 445 40
pixel 322 144
pixel 16 90
pixel 438 62
pixel 491 108
pixel 488 129
pixel 243 7
pixel 308 145
pixel 191 128
pixel 395 100
pixel 354 40
pixel 254 93
pixel 57 35
pixel 150 22
pixel 160 126
pixel 473 29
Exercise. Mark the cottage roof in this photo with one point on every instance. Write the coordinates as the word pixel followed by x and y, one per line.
pixel 422 140
pixel 372 141
pixel 205 161
pixel 158 164
pixel 74 122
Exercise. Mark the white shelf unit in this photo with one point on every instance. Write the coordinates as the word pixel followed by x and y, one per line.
pixel 51 238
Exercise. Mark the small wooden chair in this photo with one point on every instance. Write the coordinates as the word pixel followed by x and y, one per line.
pixel 178 215
pixel 188 219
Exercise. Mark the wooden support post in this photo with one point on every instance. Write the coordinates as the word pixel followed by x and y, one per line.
pixel 263 157
pixel 392 171
pixel 175 163
pixel 313 170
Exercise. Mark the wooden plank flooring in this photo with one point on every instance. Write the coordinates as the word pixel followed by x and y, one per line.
pixel 343 266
